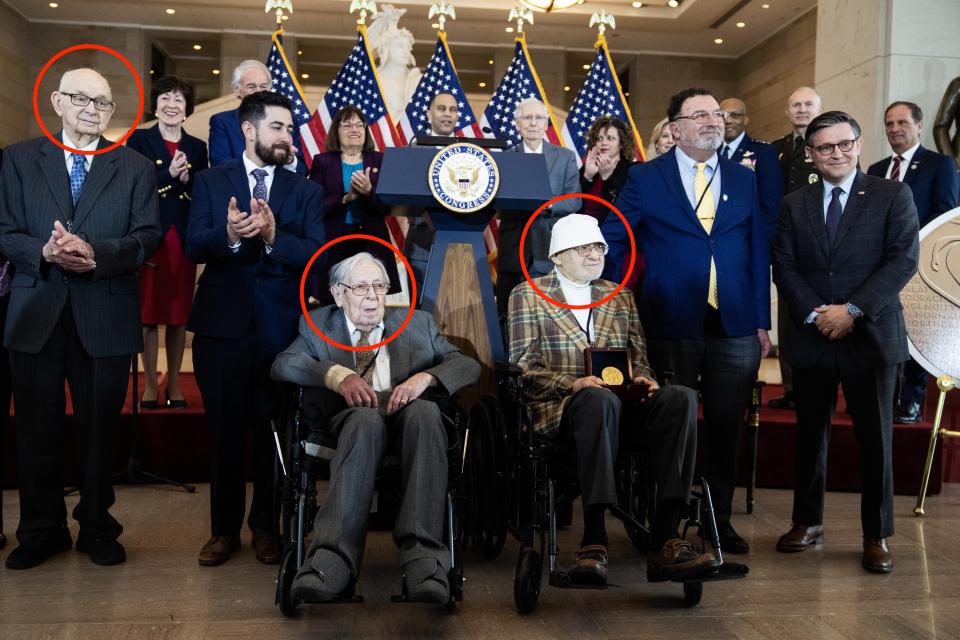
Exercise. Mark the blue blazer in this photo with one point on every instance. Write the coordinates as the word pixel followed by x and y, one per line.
pixel 174 195
pixel 251 287
pixel 227 143
pixel 762 158
pixel 677 250
pixel 932 178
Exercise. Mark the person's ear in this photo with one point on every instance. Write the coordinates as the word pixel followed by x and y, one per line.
pixel 337 295
pixel 55 99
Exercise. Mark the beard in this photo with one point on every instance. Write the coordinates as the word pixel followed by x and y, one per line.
pixel 277 155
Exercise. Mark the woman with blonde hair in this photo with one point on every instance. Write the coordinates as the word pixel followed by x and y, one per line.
pixel 661 140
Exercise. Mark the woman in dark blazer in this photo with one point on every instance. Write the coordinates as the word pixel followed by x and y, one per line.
pixel 168 278
pixel 610 154
pixel 348 172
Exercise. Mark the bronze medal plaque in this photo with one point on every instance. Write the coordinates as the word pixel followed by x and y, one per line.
pixel 931 300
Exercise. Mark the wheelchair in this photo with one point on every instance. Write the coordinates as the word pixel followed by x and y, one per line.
pixel 303 456
pixel 515 480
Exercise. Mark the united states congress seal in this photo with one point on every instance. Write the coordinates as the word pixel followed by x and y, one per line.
pixel 463 177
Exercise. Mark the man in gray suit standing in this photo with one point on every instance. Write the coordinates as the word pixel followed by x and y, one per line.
pixel 76 226
pixel 531 119
pixel 374 397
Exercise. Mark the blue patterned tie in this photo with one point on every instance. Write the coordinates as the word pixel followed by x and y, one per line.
pixel 77 175
pixel 260 189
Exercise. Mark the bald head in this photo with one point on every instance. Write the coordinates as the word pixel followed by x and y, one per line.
pixel 803 106
pixel 735 122
pixel 83 123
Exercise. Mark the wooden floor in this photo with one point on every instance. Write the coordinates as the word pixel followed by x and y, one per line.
pixel 161 592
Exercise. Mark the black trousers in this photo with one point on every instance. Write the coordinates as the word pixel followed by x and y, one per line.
pixel 724 369
pixel 869 396
pixel 6 391
pixel 238 396
pixel 98 387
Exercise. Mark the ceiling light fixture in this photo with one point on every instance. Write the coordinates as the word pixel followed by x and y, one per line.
pixel 170 12
pixel 547 6
pixel 718 41
pixel 509 29
pixel 483 84
pixel 764 6
pixel 305 76
pixel 637 5
pixel 586 67
pixel 673 3
pixel 216 72
pixel 197 47
pixel 54 5
pixel 566 88
pixel 489 61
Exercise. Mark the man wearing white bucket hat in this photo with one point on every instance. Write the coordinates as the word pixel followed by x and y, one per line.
pixel 547 342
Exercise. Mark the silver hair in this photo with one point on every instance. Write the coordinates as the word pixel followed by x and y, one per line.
pixel 342 269
pixel 525 102
pixel 248 64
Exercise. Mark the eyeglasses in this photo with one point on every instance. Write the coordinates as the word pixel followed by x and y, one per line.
pixel 360 290
pixel 735 115
pixel 351 125
pixel 80 100
pixel 586 249
pixel 533 118
pixel 826 150
pixel 703 116
pixel 253 88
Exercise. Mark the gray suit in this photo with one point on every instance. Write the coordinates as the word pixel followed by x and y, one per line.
pixel 363 434
pixel 79 327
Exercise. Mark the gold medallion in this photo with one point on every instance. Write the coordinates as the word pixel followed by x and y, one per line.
pixel 611 375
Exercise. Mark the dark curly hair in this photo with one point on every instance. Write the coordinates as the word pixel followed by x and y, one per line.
pixel 628 148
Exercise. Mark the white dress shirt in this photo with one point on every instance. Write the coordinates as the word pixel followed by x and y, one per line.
pixel 527 149
pixel 688 175
pixel 734 144
pixel 68 155
pixel 907 157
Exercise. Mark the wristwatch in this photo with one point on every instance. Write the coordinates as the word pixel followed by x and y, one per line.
pixel 853 310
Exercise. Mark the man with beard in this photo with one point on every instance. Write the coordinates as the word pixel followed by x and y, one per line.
pixel 255 228
pixel 705 303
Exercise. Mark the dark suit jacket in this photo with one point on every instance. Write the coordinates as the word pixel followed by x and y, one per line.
pixel 117 214
pixel 677 250
pixel 227 143
pixel 174 195
pixel 933 180
pixel 251 287
pixel 762 158
pixel 610 188
pixel 564 178
pixel 874 255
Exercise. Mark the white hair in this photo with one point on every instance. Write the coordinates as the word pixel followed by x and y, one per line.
pixel 248 64
pixel 340 271
pixel 525 102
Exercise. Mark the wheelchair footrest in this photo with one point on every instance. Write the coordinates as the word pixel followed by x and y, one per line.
pixel 726 571
pixel 341 599
pixel 561 580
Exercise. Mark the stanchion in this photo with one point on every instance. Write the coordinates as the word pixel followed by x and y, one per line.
pixel 945 384
pixel 753 433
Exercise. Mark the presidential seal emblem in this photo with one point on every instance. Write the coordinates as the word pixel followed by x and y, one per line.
pixel 463 177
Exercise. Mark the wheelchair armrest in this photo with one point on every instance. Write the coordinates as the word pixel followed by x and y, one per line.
pixel 507 369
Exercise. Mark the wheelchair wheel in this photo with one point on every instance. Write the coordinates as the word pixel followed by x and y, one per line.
pixel 692 593
pixel 288 570
pixel 526 582
pixel 487 513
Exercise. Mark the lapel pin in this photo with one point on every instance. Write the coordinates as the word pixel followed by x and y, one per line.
pixel 860 193
pixel 914 166
pixel 725 197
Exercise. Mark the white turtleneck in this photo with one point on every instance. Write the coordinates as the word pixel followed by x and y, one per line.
pixel 578 294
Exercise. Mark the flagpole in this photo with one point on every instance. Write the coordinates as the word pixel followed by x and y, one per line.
pixel 603 20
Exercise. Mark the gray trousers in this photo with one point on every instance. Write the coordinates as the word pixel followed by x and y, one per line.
pixel 664 429
pixel 785 329
pixel 363 433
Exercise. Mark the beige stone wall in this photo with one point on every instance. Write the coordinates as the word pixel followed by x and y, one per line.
pixel 768 74
pixel 15 110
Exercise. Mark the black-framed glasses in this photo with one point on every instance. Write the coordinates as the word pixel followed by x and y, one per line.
pixel 586 249
pixel 704 116
pixel 80 100
pixel 360 290
pixel 826 150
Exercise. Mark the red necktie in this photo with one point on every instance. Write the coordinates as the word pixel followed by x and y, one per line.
pixel 895 174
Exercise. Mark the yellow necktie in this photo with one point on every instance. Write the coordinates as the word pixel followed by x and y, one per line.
pixel 706 213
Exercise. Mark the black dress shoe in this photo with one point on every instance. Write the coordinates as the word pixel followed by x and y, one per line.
pixel 27 556
pixel 103 550
pixel 730 540
pixel 907 413
pixel 149 405
pixel 175 404
pixel 786 401
pixel 3 540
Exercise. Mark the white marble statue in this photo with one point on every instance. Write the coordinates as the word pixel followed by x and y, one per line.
pixel 396 66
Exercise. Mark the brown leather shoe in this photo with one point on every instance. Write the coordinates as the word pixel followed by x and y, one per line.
pixel 265 546
pixel 876 555
pixel 800 538
pixel 678 560
pixel 590 565
pixel 218 550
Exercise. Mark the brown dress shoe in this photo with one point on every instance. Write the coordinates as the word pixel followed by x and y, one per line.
pixel 265 546
pixel 218 550
pixel 590 565
pixel 876 555
pixel 679 560
pixel 800 538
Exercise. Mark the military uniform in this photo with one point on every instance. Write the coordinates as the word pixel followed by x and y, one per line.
pixel 798 170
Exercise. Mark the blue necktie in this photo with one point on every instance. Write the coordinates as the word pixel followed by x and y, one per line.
pixel 77 175
pixel 834 211
pixel 260 189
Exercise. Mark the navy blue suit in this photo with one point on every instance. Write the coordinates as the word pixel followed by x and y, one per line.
pixel 245 312
pixel 715 350
pixel 227 143
pixel 762 158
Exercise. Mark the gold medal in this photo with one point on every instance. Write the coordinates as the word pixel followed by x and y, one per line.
pixel 611 375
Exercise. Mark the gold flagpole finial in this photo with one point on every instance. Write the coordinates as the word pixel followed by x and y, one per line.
pixel 365 7
pixel 442 10
pixel 520 15
pixel 278 7
pixel 603 20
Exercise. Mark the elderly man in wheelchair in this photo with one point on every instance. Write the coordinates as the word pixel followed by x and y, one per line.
pixel 378 404
pixel 548 343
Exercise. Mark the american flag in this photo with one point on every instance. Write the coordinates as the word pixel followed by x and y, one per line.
pixel 439 76
pixel 285 83
pixel 600 95
pixel 518 83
